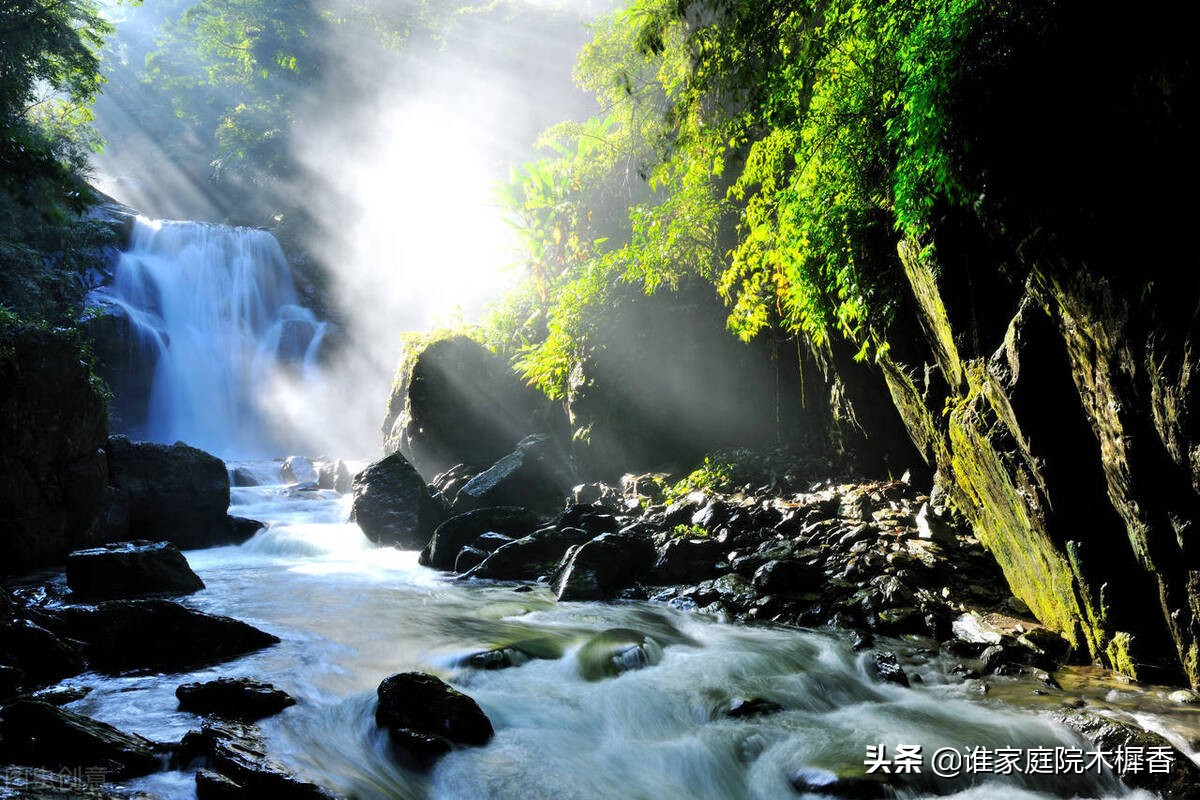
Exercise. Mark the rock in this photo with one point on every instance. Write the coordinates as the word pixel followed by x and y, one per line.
pixel 176 493
pixel 994 659
pixel 52 428
pixel 974 629
pixel 41 656
pixel 43 735
pixel 335 475
pixel 454 401
pixel 242 699
pixel 242 529
pixel 469 558
pixel 1180 782
pixel 598 569
pixel 35 783
pixel 500 658
pixel 689 560
pixel 238 766
pixel 531 556
pixel 612 652
pixel 752 707
pixel 787 577
pixel 1185 697
pixel 463 529
pixel 393 506
pixel 811 780
pixel 243 477
pixel 536 475
pixel 61 695
pixel 158 634
pixel 130 569
pixel 11 679
pixel 888 668
pixel 426 716
pixel 298 469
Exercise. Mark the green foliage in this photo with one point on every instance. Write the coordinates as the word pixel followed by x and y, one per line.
pixel 682 531
pixel 715 475
pixel 781 148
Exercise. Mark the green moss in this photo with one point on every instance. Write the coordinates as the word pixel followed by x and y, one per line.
pixel 1118 654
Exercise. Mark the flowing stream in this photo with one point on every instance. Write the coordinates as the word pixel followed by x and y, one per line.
pixel 350 614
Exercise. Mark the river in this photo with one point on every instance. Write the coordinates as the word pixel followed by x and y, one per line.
pixel 349 614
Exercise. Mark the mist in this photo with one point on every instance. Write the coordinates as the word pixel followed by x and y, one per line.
pixel 398 153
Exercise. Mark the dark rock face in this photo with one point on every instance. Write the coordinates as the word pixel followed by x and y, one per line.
pixel 40 656
pixel 888 668
pixel 176 493
pixel 242 699
pixel 537 475
pixel 1064 435
pixel 52 429
pixel 426 716
pixel 158 634
pixel 600 568
pixel 237 766
pixel 463 529
pixel 130 569
pixel 43 735
pixel 335 475
pixel 126 358
pixel 393 506
pixel 456 402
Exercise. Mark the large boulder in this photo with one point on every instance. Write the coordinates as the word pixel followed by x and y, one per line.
pixel 130 569
pixel 158 634
pixel 393 505
pixel 176 493
pixel 426 717
pixel 43 735
pixel 598 569
pixel 457 532
pixel 536 475
pixel 242 699
pixel 52 429
pixel 529 557
pixel 454 401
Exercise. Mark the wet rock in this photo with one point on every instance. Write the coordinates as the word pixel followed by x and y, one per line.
pixel 393 506
pixel 1046 648
pixel 42 735
pixel 237 766
pixel 531 556
pixel 61 695
pixel 787 577
pixel 751 707
pixel 888 668
pixel 469 558
pixel 41 657
pixel 158 634
pixel 36 783
pixel 11 679
pixel 426 716
pixel 1180 782
pixel 689 560
pixel 598 569
pixel 812 780
pixel 298 469
pixel 176 493
pixel 242 699
pixel 335 476
pixel 462 529
pixel 243 477
pixel 242 529
pixel 1185 697
pixel 491 541
pixel 994 659
pixel 612 652
pixel 130 569
pixel 681 511
pixel 500 658
pixel 535 476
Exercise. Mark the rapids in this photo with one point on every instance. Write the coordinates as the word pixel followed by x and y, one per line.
pixel 350 614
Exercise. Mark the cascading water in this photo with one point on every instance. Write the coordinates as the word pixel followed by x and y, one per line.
pixel 215 317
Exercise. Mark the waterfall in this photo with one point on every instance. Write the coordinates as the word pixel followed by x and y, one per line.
pixel 215 322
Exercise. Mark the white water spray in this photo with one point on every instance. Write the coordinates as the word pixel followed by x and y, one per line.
pixel 217 310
